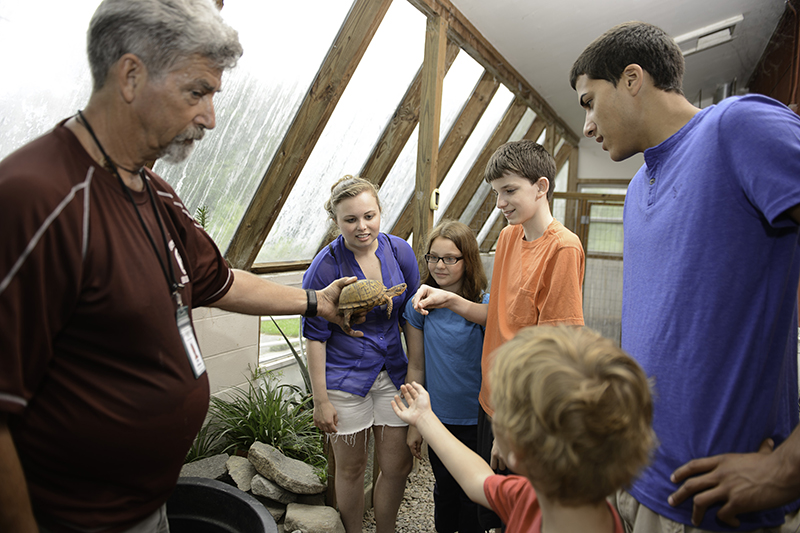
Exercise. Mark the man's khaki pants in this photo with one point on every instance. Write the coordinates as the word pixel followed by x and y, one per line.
pixel 636 518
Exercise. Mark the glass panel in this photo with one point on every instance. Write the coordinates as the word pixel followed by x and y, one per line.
pixel 401 181
pixel 256 106
pixel 486 126
pixel 380 81
pixel 50 82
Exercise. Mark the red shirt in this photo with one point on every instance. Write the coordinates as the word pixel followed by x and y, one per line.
pixel 514 500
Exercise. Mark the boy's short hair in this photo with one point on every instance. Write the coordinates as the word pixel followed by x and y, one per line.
pixel 526 158
pixel 575 409
pixel 646 45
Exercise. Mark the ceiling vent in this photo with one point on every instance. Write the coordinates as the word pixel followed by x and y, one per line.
pixel 708 36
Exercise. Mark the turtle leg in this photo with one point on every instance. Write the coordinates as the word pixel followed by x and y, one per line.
pixel 346 319
pixel 389 308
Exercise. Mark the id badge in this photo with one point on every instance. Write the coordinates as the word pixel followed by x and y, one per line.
pixel 190 341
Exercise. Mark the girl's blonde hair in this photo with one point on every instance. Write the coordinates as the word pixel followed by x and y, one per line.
pixel 575 409
pixel 474 281
pixel 349 187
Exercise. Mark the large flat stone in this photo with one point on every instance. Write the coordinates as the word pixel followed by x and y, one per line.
pixel 312 519
pixel 241 471
pixel 210 468
pixel 293 475
pixel 261 486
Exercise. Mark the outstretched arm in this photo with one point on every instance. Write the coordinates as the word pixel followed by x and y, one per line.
pixel 466 466
pixel 428 297
pixel 742 482
pixel 15 505
pixel 252 295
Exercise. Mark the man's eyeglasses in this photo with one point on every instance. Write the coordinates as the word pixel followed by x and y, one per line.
pixel 432 259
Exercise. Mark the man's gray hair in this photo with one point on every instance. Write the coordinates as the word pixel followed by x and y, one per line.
pixel 160 33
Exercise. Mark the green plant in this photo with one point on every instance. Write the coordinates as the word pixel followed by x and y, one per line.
pixel 202 215
pixel 300 362
pixel 272 413
pixel 206 444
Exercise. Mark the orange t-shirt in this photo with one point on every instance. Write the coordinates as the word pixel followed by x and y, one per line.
pixel 533 283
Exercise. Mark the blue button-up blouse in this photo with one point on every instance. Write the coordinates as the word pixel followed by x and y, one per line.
pixel 352 364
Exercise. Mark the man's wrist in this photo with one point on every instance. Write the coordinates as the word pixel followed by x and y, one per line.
pixel 311 304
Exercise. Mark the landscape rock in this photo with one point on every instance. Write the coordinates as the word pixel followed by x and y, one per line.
pixel 210 468
pixel 311 499
pixel 293 475
pixel 277 510
pixel 261 486
pixel 241 471
pixel 312 519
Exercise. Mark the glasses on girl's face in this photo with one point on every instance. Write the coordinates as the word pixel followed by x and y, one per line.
pixel 432 259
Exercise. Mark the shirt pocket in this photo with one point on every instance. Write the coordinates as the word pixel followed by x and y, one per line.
pixel 522 310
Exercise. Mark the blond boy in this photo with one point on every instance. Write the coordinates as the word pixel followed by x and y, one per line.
pixel 572 416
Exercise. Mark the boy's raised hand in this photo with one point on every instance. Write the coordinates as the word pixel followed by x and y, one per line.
pixel 419 403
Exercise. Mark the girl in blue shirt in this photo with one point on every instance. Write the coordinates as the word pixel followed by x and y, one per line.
pixel 353 379
pixel 452 348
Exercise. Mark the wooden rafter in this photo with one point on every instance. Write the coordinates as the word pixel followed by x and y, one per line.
pixel 471 41
pixel 492 236
pixel 475 175
pixel 429 119
pixel 456 138
pixel 330 82
pixel 400 127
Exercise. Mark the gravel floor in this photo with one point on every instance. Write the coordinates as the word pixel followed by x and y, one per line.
pixel 416 511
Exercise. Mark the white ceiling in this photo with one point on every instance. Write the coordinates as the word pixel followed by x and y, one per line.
pixel 542 39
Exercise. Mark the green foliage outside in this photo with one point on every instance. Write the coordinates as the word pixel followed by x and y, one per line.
pixel 289 326
pixel 267 411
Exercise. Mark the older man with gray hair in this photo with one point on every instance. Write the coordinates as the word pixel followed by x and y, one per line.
pixel 102 386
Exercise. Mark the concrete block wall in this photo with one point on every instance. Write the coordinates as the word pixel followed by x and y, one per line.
pixel 229 344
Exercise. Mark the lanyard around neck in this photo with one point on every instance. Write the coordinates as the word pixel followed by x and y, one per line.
pixel 170 278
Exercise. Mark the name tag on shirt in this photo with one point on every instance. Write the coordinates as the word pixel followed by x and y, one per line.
pixel 190 341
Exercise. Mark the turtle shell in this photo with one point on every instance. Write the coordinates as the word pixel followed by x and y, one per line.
pixel 363 293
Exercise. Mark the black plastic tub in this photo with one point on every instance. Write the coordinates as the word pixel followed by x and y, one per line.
pixel 201 505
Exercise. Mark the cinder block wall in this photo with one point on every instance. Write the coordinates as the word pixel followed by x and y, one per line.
pixel 229 344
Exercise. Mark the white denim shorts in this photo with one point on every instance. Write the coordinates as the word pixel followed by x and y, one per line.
pixel 356 413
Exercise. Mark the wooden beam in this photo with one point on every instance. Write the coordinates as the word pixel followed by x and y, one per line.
pixel 429 119
pixel 614 182
pixel 282 266
pixel 482 214
pixel 337 68
pixel 570 219
pixel 475 175
pixel 491 238
pixel 456 138
pixel 399 129
pixel 470 39
pixel 536 129
pixel 597 197
pixel 551 140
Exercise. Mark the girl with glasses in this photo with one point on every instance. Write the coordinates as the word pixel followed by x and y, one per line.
pixel 451 346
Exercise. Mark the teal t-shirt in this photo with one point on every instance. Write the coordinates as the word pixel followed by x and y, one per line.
pixel 453 348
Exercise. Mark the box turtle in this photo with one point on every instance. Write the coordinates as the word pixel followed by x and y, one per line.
pixel 363 295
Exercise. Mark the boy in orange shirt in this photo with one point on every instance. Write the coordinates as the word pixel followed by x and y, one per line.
pixel 573 416
pixel 537 275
